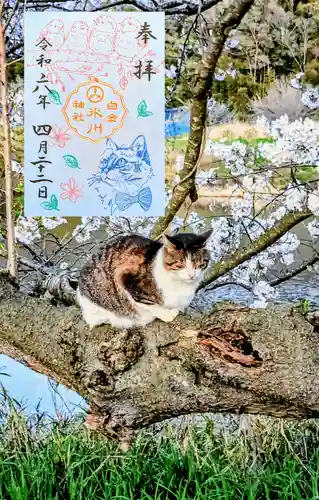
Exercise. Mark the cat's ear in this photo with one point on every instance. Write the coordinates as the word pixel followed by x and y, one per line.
pixel 205 236
pixel 139 144
pixel 110 146
pixel 140 148
pixel 168 242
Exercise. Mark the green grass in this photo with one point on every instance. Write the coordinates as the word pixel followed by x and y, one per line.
pixel 69 463
pixel 253 141
pixel 177 144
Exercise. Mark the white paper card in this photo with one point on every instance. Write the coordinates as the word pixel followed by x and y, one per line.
pixel 94 114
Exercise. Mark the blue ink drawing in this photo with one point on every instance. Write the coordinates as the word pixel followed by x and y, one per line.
pixel 123 174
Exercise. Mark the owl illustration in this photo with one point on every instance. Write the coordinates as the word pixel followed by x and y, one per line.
pixel 128 47
pixel 54 34
pixel 76 43
pixel 102 38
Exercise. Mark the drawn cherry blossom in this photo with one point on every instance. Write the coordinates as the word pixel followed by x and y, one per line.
pixel 71 191
pixel 60 136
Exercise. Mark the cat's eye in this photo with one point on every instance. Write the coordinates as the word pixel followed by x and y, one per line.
pixel 203 264
pixel 175 265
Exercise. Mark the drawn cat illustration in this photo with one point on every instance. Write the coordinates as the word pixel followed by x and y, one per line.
pixel 124 172
pixel 134 280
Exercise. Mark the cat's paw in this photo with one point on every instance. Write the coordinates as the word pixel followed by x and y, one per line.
pixel 169 315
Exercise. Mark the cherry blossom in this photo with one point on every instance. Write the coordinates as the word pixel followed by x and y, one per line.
pixel 71 191
pixel 60 136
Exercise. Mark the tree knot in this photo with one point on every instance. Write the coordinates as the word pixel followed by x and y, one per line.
pixel 232 346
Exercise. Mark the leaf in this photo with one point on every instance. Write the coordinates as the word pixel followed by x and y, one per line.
pixel 54 97
pixel 51 205
pixel 54 202
pixel 141 108
pixel 46 205
pixel 71 161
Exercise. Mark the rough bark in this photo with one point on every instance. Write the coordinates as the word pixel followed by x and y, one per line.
pixel 231 360
pixel 12 259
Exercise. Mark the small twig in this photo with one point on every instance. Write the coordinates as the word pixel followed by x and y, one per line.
pixel 14 61
pixel 14 9
pixel 35 267
pixel 296 271
pixel 229 283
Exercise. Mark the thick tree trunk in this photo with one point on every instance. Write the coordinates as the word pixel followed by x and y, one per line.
pixel 12 258
pixel 231 360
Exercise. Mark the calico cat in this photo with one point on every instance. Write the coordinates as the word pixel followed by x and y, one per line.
pixel 135 279
pixel 124 172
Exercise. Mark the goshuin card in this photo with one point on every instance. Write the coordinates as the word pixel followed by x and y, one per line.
pixel 94 114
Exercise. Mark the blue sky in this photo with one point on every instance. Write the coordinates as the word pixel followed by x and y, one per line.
pixel 30 388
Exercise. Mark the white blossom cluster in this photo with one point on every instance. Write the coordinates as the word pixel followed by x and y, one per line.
pixel 251 170
pixel 221 74
pixel 28 229
pixel 296 82
pixel 83 231
pixel 226 237
pixel 310 95
pixel 310 98
pixel 232 43
pixel 171 72
pixel 237 157
pixel 16 102
pixel 294 143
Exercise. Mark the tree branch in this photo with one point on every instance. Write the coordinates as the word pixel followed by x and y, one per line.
pixel 220 31
pixel 295 272
pixel 7 156
pixel 169 7
pixel 231 360
pixel 13 11
pixel 264 241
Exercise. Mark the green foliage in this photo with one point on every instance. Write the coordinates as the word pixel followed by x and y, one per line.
pixel 18 199
pixel 303 306
pixel 238 92
pixel 308 8
pixel 274 42
pixel 15 70
pixel 180 37
pixel 276 462
pixel 2 247
pixel 312 72
pixel 17 139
